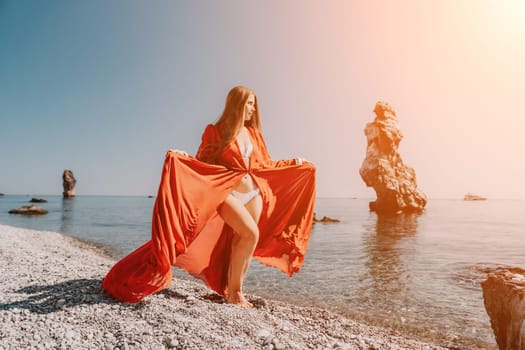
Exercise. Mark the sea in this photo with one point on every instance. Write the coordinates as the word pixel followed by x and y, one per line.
pixel 417 274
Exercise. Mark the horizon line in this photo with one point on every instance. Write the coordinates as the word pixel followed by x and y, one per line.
pixel 317 197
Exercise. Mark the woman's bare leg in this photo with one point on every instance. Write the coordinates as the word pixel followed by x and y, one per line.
pixel 243 220
pixel 254 207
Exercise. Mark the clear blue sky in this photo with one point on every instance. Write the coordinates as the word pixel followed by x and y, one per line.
pixel 106 87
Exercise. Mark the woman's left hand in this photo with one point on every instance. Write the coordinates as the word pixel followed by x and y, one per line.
pixel 184 153
pixel 300 161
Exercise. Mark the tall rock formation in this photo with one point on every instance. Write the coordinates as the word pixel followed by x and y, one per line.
pixel 68 182
pixel 384 170
pixel 504 298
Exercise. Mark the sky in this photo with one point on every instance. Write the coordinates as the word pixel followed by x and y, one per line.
pixel 105 88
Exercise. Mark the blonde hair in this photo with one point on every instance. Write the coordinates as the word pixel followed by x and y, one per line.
pixel 232 118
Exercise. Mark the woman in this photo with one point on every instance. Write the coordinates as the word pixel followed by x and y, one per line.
pixel 214 212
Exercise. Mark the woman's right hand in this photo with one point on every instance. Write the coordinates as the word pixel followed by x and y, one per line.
pixel 184 153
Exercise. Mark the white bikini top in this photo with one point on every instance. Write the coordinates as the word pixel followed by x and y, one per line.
pixel 248 151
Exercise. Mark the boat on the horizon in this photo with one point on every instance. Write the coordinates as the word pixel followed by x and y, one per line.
pixel 474 197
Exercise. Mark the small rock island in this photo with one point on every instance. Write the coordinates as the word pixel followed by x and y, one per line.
pixel 324 219
pixel 384 170
pixel 38 200
pixel 68 182
pixel 29 210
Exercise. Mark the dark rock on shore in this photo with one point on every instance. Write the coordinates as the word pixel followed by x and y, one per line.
pixel 29 210
pixel 504 298
pixel 1 194
pixel 384 170
pixel 38 200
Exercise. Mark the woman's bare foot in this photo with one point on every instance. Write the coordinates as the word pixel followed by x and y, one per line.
pixel 238 298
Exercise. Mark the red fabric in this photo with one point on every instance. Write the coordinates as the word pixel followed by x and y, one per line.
pixel 187 231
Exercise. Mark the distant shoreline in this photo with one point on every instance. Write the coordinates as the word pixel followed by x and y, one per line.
pixel 51 296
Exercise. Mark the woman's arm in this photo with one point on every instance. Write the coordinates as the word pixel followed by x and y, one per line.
pixel 208 147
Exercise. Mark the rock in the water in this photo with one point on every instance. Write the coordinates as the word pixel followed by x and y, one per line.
pixel 28 210
pixel 38 200
pixel 504 298
pixel 1 194
pixel 384 170
pixel 474 197
pixel 324 219
pixel 68 182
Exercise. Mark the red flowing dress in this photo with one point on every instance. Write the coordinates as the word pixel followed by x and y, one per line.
pixel 187 231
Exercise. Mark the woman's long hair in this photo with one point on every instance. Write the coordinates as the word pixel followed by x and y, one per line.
pixel 230 122
pixel 232 117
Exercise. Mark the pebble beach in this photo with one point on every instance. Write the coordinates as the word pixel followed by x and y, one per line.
pixel 51 298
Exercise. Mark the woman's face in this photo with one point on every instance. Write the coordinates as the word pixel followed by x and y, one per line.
pixel 249 108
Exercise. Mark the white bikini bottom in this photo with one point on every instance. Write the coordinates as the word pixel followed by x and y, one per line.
pixel 245 197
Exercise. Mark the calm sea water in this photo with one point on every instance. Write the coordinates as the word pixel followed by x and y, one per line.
pixel 418 274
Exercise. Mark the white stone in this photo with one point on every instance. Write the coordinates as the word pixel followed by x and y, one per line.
pixel 263 333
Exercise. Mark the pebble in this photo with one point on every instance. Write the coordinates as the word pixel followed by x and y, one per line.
pixel 268 340
pixel 286 326
pixel 263 333
pixel 70 335
pixel 172 342
pixel 278 346
pixel 340 345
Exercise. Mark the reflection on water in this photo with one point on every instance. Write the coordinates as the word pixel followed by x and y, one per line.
pixel 396 284
pixel 388 244
pixel 386 263
pixel 66 223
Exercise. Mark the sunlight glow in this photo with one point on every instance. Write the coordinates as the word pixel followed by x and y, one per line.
pixel 511 15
